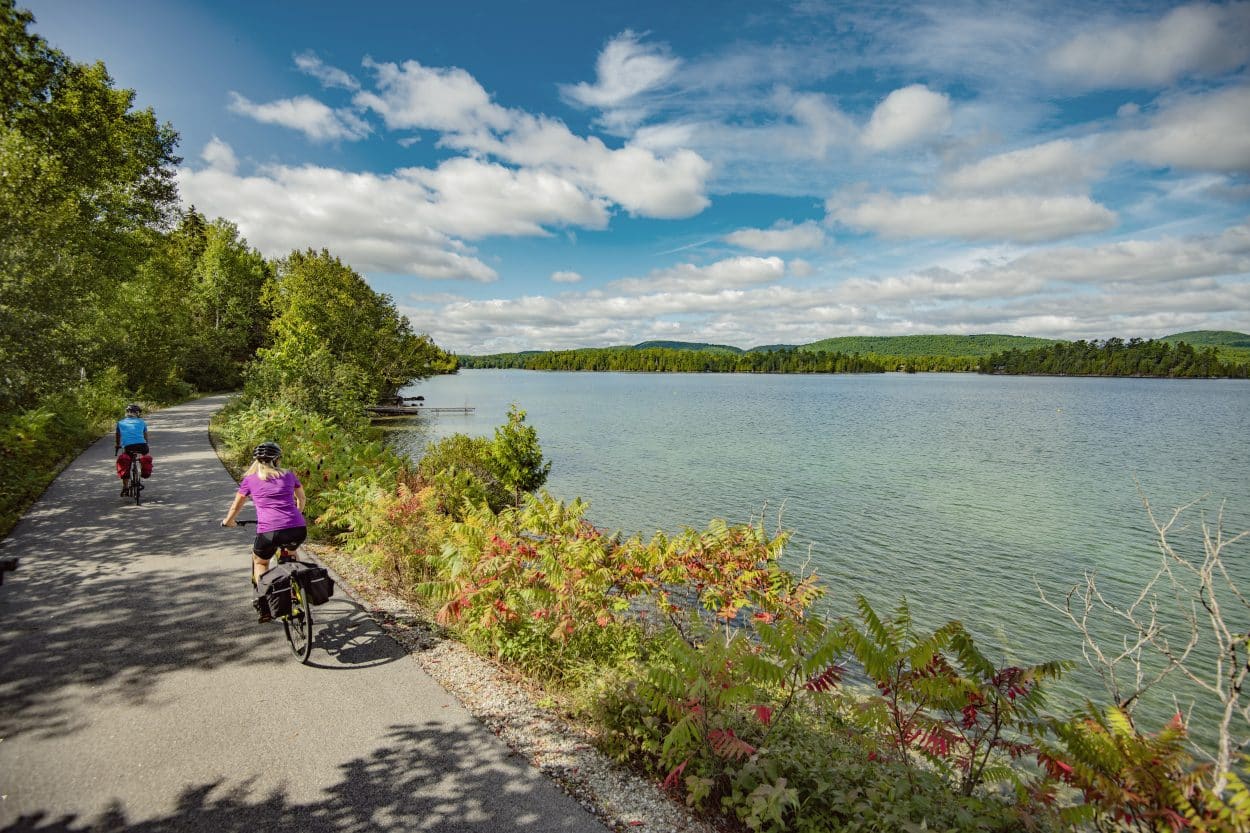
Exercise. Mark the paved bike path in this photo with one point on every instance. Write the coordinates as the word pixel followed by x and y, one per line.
pixel 137 691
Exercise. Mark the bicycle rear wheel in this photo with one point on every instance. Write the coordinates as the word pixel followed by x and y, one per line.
pixel 135 483
pixel 299 624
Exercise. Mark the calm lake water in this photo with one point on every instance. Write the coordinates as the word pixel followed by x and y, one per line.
pixel 960 491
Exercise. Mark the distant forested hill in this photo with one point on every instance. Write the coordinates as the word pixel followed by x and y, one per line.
pixel 1229 346
pixel 688 345
pixel 929 345
pixel 1210 338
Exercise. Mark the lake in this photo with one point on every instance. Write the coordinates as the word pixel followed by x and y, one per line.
pixel 961 491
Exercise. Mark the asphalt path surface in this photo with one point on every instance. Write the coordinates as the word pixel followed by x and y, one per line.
pixel 138 692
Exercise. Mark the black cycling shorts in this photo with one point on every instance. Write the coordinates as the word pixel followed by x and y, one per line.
pixel 267 543
pixel 136 448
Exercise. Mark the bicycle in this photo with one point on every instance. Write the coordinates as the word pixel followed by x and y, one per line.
pixel 298 624
pixel 133 484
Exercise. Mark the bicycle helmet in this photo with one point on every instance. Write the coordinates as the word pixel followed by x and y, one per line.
pixel 267 452
pixel 133 409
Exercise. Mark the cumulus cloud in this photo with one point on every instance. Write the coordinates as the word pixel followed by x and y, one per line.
pixel 309 64
pixel 731 273
pixel 906 116
pixel 1200 132
pixel 1013 217
pixel 1145 261
pixel 220 155
pixel 311 117
pixel 782 237
pixel 566 277
pixel 1050 166
pixel 412 221
pixel 431 98
pixel 1190 40
pixel 626 68
pixel 641 181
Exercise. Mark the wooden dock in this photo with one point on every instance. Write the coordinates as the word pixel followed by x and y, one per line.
pixel 413 410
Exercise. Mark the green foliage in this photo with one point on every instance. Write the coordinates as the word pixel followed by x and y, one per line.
pixel 342 468
pixel 666 360
pixel 85 175
pixel 1115 357
pixel 461 471
pixel 921 346
pixel 35 442
pixel 1135 781
pixel 517 457
pixel 337 345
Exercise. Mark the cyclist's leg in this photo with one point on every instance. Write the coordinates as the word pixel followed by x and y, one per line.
pixel 263 549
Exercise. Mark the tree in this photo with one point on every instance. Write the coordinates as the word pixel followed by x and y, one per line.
pixel 518 457
pixel 84 175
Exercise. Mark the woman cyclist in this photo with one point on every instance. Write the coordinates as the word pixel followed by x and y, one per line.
pixel 279 499
pixel 131 436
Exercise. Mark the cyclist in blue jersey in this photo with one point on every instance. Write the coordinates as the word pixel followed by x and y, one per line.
pixel 131 436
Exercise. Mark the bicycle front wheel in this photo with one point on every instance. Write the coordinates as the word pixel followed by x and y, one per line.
pixel 299 624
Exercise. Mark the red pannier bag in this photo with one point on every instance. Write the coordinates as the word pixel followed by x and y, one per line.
pixel 123 465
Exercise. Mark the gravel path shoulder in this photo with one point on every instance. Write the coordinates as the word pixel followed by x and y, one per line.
pixel 562 749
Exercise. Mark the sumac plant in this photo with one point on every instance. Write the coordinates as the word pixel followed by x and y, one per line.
pixel 533 584
pixel 939 697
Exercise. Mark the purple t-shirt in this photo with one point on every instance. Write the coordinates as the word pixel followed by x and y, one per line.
pixel 275 501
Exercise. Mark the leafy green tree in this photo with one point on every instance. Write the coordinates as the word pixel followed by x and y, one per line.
pixel 518 457
pixel 330 328
pixel 84 174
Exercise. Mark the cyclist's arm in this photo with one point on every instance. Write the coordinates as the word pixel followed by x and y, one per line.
pixel 239 500
pixel 145 433
pixel 300 499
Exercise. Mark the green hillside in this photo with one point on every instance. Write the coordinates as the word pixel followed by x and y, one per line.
pixel 1211 338
pixel 687 345
pixel 929 345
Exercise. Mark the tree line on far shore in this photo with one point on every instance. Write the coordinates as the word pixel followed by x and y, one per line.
pixel 1117 357
pixel 1113 357
pixel 669 360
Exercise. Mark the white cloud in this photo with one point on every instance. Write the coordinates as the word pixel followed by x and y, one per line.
pixel 311 117
pixel 731 273
pixel 1159 261
pixel 1018 218
pixel 309 64
pixel 566 277
pixel 906 116
pixel 782 237
pixel 220 155
pixel 1196 39
pixel 626 68
pixel 1202 132
pixel 1050 166
pixel 431 98
pixel 411 221
pixel 637 179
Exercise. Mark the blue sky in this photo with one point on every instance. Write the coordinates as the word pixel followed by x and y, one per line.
pixel 550 174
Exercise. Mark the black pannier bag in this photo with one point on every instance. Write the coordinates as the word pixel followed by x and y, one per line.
pixel 316 582
pixel 273 590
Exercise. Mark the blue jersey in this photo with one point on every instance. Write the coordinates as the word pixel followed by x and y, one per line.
pixel 131 429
